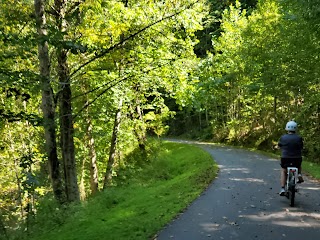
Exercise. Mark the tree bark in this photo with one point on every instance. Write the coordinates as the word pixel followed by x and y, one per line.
pixel 66 119
pixel 67 131
pixel 141 131
pixel 82 187
pixel 48 107
pixel 94 183
pixel 112 153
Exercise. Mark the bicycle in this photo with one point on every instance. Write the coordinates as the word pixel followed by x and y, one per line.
pixel 291 184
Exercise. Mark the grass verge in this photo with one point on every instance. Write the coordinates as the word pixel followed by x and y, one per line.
pixel 146 203
pixel 312 169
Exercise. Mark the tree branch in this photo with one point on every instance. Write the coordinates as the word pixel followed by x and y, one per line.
pixel 104 52
pixel 98 96
pixel 73 7
pixel 113 83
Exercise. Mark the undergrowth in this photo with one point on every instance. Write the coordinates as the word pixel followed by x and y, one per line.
pixel 137 206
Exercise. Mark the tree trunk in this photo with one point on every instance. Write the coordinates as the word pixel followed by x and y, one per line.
pixel 66 120
pixel 141 131
pixel 93 159
pixel 275 109
pixel 136 114
pixel 112 153
pixel 82 187
pixel 48 107
pixel 66 137
pixel 3 231
pixel 207 116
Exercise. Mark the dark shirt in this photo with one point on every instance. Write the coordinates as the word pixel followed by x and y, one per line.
pixel 291 146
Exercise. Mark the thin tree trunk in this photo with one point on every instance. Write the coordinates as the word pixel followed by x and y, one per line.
pixel 318 114
pixel 207 117
pixel 94 177
pixel 112 153
pixel 20 192
pixel 141 131
pixel 93 159
pixel 66 120
pixel 275 109
pixel 82 188
pixel 188 120
pixel 136 114
pixel 17 173
pixel 3 231
pixel 48 107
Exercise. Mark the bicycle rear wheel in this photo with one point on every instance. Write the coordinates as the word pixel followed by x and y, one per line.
pixel 292 196
pixel 292 188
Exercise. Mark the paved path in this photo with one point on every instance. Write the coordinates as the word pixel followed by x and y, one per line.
pixel 243 203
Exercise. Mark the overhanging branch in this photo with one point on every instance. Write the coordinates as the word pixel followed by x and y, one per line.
pixel 112 84
pixel 106 51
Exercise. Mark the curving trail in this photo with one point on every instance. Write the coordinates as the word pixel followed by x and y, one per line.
pixel 243 203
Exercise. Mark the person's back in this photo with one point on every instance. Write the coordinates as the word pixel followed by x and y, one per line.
pixel 291 145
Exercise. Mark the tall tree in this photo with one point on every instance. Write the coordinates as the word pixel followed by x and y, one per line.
pixel 113 146
pixel 48 106
pixel 260 74
pixel 65 96
pixel 94 177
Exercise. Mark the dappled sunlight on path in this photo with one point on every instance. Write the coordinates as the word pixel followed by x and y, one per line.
pixel 225 169
pixel 288 218
pixel 243 203
pixel 247 179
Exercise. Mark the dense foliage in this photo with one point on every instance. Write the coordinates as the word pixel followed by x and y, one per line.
pixel 263 73
pixel 83 83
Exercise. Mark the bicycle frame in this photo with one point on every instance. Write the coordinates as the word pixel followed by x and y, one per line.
pixel 292 178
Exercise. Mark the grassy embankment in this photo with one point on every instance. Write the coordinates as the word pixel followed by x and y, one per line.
pixel 308 167
pixel 146 203
pixel 312 169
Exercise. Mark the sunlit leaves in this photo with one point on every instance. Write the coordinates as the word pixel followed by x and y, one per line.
pixel 139 51
pixel 264 70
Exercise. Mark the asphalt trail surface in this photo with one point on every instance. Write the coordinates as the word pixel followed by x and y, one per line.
pixel 243 203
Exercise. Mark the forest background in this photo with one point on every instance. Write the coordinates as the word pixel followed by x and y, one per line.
pixel 84 83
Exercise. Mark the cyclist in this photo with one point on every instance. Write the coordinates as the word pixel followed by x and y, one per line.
pixel 291 145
